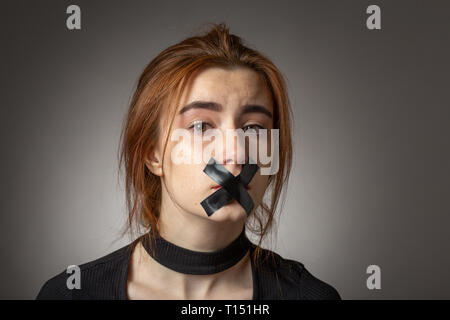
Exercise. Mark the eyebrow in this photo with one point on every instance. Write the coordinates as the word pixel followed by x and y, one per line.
pixel 214 106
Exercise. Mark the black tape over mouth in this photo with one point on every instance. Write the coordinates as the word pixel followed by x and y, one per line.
pixel 233 187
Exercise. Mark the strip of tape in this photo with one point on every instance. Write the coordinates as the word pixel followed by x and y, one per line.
pixel 233 187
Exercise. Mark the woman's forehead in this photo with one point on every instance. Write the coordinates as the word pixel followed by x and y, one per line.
pixel 227 89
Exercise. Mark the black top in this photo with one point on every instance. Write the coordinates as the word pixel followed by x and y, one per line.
pixel 106 279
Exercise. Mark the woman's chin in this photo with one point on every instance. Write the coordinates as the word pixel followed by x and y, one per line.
pixel 230 212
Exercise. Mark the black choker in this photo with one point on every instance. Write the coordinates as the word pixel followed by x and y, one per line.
pixel 196 262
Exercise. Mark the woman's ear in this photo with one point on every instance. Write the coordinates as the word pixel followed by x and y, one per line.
pixel 153 162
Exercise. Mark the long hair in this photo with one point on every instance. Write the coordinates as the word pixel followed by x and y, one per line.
pixel 159 89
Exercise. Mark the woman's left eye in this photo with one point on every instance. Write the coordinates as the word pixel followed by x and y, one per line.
pixel 255 127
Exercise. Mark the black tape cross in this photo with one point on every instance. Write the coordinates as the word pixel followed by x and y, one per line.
pixel 233 187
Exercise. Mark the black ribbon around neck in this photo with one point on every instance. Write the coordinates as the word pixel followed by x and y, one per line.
pixel 196 262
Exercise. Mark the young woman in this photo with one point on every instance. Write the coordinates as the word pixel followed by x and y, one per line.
pixel 192 217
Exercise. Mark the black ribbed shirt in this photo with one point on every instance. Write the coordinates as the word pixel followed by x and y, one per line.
pixel 106 279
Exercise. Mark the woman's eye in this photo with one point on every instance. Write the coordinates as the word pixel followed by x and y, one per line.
pixel 199 126
pixel 255 127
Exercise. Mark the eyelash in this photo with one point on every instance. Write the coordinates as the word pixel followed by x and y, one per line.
pixel 254 124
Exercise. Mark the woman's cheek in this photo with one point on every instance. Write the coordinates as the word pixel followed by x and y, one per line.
pixel 190 178
pixel 258 187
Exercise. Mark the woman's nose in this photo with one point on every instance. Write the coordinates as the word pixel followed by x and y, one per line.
pixel 233 151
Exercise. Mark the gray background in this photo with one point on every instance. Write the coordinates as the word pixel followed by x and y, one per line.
pixel 370 183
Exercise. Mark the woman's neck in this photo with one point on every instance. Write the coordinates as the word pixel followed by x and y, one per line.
pixel 148 274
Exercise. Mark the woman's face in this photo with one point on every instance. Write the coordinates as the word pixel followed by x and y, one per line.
pixel 185 185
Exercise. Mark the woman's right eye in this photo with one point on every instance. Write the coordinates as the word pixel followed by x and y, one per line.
pixel 199 126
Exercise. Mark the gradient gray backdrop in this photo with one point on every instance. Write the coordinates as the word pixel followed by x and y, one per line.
pixel 370 184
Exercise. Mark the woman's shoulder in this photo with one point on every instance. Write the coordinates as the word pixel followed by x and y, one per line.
pixel 285 278
pixel 97 279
